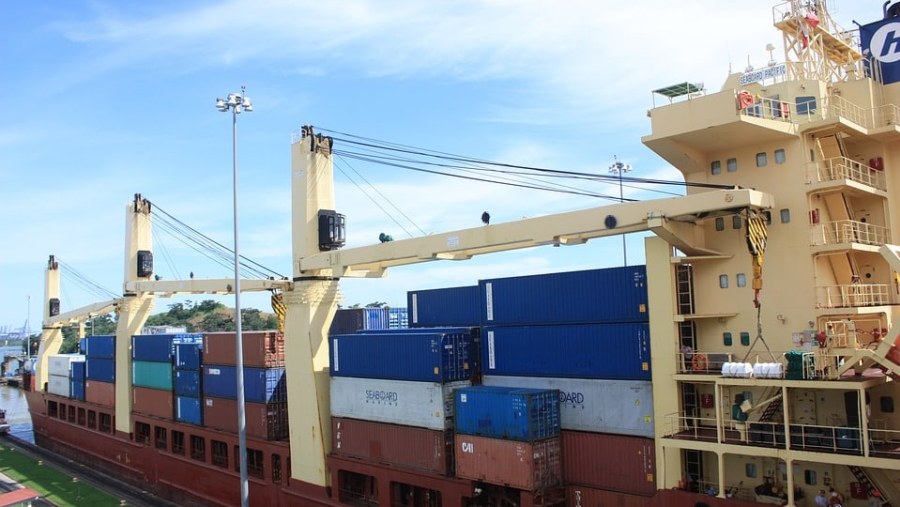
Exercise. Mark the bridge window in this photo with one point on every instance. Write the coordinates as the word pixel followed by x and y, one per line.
pixel 726 338
pixel 720 224
pixel 723 281
pixel 741 279
pixel 806 105
pixel 780 156
pixel 745 338
pixel 761 159
pixel 731 165
pixel 715 167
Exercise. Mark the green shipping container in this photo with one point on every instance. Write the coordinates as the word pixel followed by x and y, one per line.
pixel 152 374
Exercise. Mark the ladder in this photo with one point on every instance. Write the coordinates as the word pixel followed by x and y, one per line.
pixel 868 483
pixel 773 407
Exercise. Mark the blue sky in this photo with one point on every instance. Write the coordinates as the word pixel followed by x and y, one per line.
pixel 106 99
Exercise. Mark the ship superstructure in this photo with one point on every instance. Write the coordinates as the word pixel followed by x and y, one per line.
pixel 770 309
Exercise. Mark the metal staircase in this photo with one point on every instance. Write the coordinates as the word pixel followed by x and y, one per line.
pixel 773 407
pixel 863 478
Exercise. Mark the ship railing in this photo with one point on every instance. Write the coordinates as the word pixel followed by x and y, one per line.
pixel 693 427
pixel 796 9
pixel 771 109
pixel 886 115
pixel 702 362
pixel 849 231
pixel 841 168
pixel 853 295
pixel 839 106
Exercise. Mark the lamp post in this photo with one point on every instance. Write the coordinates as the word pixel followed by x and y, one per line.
pixel 619 167
pixel 236 103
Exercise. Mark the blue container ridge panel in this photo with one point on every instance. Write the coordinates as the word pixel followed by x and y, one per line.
pixel 599 295
pixel 261 385
pixel 417 356
pixel 101 370
pixel 513 413
pixel 598 351
pixel 103 347
pixel 188 356
pixel 187 383
pixel 160 348
pixel 189 410
pixel 76 387
pixel 77 372
pixel 451 306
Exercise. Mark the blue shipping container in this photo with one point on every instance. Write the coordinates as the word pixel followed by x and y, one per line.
pixel 452 306
pixel 351 320
pixel 599 295
pixel 77 371
pixel 189 410
pixel 513 413
pixel 99 369
pixel 160 348
pixel 437 356
pixel 261 385
pixel 187 383
pixel 103 347
pixel 600 351
pixel 188 356
pixel 76 387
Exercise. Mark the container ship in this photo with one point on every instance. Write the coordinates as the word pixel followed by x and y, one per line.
pixel 750 359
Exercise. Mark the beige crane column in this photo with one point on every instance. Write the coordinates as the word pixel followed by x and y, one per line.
pixel 51 334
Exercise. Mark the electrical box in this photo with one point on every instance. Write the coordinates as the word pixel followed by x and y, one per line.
pixel 144 263
pixel 54 307
pixel 331 230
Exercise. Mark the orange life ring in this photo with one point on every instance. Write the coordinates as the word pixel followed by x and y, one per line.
pixel 699 362
pixel 745 99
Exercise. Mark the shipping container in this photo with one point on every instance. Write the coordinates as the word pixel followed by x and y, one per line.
pixel 101 393
pixel 583 496
pixel 450 306
pixel 61 364
pixel 100 369
pixel 441 356
pixel 152 374
pixel 513 413
pixel 78 371
pixel 103 347
pixel 529 466
pixel 394 444
pixel 587 461
pixel 187 383
pixel 622 407
pixel 188 409
pixel 59 385
pixel 422 404
pixel 598 295
pixel 261 385
pixel 268 421
pixel 351 320
pixel 76 388
pixel 261 349
pixel 153 402
pixel 160 347
pixel 188 356
pixel 607 351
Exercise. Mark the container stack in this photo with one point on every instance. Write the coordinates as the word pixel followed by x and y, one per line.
pixel 153 372
pixel 392 395
pixel 60 380
pixel 100 370
pixel 265 384
pixel 585 334
pixel 351 320
pixel 188 386
pixel 509 437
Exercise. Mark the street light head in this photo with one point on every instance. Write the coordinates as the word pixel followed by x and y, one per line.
pixel 247 105
pixel 233 100
pixel 220 105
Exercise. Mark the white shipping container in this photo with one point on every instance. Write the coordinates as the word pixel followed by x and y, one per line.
pixel 621 407
pixel 59 385
pixel 421 404
pixel 61 364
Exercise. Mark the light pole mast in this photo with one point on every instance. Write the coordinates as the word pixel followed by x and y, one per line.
pixel 619 167
pixel 237 103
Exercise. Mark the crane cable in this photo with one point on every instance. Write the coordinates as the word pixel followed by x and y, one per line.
pixel 757 235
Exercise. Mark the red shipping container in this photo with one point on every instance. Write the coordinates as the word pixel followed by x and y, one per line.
pixel 529 466
pixel 262 349
pixel 581 496
pixel 612 462
pixel 153 402
pixel 406 446
pixel 268 421
pixel 101 393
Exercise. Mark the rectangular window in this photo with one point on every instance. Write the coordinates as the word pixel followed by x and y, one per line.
pixel 198 448
pixel 741 279
pixel 809 477
pixel 736 222
pixel 887 405
pixel 105 423
pixel 92 419
pixel 255 465
pixel 276 468
pixel 806 106
pixel 142 433
pixel 178 442
pixel 219 453
pixel 750 470
pixel 52 409
pixel 71 413
pixel 720 224
pixel 745 338
pixel 723 281
pixel 62 411
pixel 160 438
pixel 785 215
pixel 761 159
pixel 731 165
pixel 726 338
pixel 715 167
pixel 82 417
pixel 780 156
